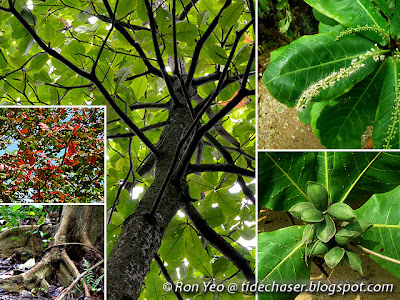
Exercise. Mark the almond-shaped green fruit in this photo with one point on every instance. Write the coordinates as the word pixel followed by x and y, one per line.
pixel 317 248
pixel 311 215
pixel 358 227
pixel 334 256
pixel 326 229
pixel 354 261
pixel 309 233
pixel 342 211
pixel 317 194
pixel 297 209
pixel 344 236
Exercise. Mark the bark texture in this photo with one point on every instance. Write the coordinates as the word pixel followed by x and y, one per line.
pixel 141 235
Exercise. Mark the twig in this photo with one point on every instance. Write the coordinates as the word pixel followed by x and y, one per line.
pixel 65 292
pixel 387 258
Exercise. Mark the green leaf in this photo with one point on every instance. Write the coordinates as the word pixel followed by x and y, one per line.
pixel 358 176
pixel 395 25
pixel 214 216
pixel 172 247
pixel 124 8
pixel 154 286
pixel 282 178
pixel 334 257
pixel 163 19
pixel 384 237
pixel 202 18
pixel 217 54
pixel 384 7
pixel 351 13
pixel 324 19
pixel 25 45
pixel 386 132
pixel 343 124
pixel 126 204
pixel 220 265
pixel 139 86
pixel 281 259
pixel 196 254
pixel 230 16
pixel 39 61
pixel 311 58
pixel 185 32
pixel 358 227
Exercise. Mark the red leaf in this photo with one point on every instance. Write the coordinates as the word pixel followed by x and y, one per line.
pixel 24 131
pixel 91 159
pixel 62 196
pixel 71 149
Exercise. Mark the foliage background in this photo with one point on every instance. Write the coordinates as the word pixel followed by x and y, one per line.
pixel 59 156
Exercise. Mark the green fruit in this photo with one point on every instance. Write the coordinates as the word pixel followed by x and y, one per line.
pixel 296 209
pixel 342 211
pixel 358 227
pixel 344 236
pixel 317 248
pixel 317 194
pixel 354 261
pixel 311 215
pixel 334 256
pixel 326 229
pixel 309 233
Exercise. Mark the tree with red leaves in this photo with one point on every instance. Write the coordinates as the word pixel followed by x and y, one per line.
pixel 58 154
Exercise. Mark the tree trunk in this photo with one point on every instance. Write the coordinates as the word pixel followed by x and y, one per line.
pixel 80 230
pixel 141 235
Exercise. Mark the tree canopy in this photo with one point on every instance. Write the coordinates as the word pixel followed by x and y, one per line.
pixel 58 154
pixel 178 80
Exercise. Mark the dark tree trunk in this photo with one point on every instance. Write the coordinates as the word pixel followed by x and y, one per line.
pixel 141 235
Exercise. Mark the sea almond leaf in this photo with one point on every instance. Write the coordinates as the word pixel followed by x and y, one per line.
pixel 281 258
pixel 383 210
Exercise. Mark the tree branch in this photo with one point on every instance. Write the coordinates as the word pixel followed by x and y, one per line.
pixel 167 276
pixel 178 169
pixel 143 129
pixel 86 75
pixel 193 168
pixel 187 9
pixel 153 27
pixel 148 106
pixel 227 156
pixel 201 41
pixel 134 44
pixel 218 242
pixel 216 76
